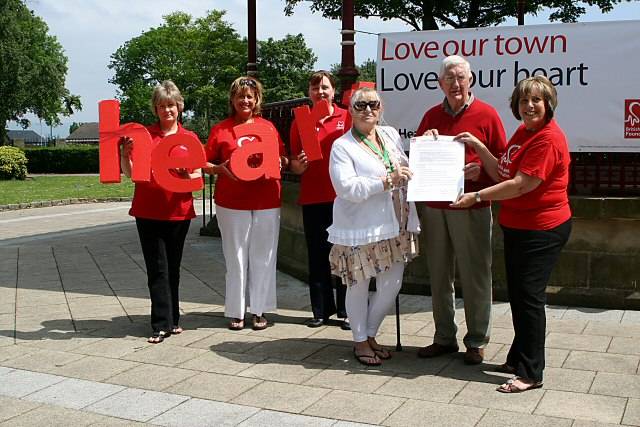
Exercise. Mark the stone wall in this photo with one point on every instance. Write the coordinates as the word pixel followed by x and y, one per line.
pixel 599 267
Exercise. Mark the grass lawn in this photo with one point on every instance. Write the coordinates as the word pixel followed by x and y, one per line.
pixel 41 188
pixel 53 187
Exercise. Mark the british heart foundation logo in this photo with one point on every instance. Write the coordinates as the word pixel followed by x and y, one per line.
pixel 632 118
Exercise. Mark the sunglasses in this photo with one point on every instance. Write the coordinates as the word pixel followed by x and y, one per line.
pixel 247 82
pixel 362 105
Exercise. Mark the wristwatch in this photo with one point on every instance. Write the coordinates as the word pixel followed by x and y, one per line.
pixel 477 197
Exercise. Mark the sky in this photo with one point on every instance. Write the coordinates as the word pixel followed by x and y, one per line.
pixel 90 31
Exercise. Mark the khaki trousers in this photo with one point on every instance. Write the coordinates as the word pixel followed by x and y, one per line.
pixel 460 239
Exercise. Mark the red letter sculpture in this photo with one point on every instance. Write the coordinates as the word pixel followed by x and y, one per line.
pixel 188 153
pixel 264 142
pixel 110 133
pixel 306 120
pixel 346 97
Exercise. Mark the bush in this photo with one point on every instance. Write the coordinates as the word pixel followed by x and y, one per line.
pixel 69 159
pixel 13 163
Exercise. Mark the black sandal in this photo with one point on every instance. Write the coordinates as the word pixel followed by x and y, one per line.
pixel 367 359
pixel 157 337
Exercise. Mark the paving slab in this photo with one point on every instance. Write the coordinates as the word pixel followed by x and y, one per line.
pixel 55 416
pixel 199 412
pixel 136 404
pixel 623 385
pixel 568 379
pixel 283 371
pixel 19 383
pixel 213 386
pixel 151 377
pixel 602 362
pixel 425 387
pixel 73 393
pixel 281 396
pixel 422 413
pixel 352 406
pixel 11 407
pixel 581 406
pixel 484 395
pixel 632 413
pixel 353 379
pixel 95 368
pixel 267 418
pixel 577 341
pixel 165 354
pixel 623 345
pixel 494 417
pixel 222 362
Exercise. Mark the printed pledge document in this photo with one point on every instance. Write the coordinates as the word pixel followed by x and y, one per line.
pixel 437 169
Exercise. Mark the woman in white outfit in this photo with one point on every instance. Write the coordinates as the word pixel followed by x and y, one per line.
pixel 374 230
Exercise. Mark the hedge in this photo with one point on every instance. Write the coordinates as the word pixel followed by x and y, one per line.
pixel 81 159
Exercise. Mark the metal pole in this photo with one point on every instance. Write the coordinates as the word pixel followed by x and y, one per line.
pixel 252 66
pixel 398 345
pixel 348 72
pixel 521 7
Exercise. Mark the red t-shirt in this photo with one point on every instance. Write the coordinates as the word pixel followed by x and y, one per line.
pixel 482 121
pixel 241 195
pixel 315 183
pixel 150 201
pixel 543 154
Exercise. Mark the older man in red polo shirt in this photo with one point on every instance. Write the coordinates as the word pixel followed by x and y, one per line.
pixel 460 239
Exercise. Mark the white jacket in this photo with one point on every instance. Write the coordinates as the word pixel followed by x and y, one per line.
pixel 362 211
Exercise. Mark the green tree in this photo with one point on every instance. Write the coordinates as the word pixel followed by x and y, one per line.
pixel 203 56
pixel 284 67
pixel 33 68
pixel 367 71
pixel 431 14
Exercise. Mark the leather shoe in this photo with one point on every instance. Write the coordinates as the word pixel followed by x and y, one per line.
pixel 474 356
pixel 314 323
pixel 435 350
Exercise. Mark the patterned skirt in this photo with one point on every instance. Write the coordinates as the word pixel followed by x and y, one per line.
pixel 357 263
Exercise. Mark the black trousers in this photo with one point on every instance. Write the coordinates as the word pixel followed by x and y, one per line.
pixel 530 256
pixel 316 219
pixel 162 244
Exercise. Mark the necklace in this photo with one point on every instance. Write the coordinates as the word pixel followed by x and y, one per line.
pixel 382 154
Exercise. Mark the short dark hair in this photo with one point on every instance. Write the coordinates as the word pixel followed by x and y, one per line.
pixel 317 77
pixel 526 86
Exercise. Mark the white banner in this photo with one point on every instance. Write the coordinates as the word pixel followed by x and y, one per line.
pixel 594 66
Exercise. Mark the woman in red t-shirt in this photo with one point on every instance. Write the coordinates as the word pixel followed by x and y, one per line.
pixel 535 219
pixel 248 212
pixel 316 198
pixel 162 217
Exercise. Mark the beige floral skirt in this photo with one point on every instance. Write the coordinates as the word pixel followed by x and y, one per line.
pixel 357 263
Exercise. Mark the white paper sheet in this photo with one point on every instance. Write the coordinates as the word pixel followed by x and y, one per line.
pixel 437 167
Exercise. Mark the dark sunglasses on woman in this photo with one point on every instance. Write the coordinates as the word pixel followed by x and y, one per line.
pixel 362 105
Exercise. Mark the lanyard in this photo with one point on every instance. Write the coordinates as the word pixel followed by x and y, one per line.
pixel 384 155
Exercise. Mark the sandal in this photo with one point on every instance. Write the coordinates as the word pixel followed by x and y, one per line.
pixel 157 337
pixel 511 387
pixel 380 351
pixel 259 323
pixel 367 359
pixel 236 324
pixel 176 330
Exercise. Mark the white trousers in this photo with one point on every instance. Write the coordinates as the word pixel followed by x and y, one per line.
pixel 250 248
pixel 367 311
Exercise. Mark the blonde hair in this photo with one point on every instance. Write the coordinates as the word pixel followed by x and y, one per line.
pixel 362 92
pixel 166 91
pixel 241 84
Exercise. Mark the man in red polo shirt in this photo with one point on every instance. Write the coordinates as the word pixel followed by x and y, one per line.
pixel 460 239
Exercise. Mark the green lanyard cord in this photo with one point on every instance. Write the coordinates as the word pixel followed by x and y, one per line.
pixel 384 155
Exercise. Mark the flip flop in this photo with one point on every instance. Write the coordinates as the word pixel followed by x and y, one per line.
pixel 510 387
pixel 236 324
pixel 365 358
pixel 157 337
pixel 176 330
pixel 259 323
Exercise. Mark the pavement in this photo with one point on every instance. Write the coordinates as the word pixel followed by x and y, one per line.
pixel 74 318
